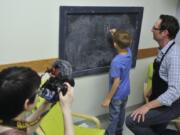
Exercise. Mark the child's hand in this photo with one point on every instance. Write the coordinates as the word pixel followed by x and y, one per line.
pixel 105 103
pixel 112 31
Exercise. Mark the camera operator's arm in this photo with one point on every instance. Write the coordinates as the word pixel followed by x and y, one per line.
pixel 66 102
pixel 43 108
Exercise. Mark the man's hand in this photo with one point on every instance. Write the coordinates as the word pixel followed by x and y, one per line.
pixel 139 114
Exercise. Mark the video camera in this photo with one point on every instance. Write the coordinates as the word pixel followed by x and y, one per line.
pixel 53 80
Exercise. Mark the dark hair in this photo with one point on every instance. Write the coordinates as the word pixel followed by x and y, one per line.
pixel 16 85
pixel 122 38
pixel 170 24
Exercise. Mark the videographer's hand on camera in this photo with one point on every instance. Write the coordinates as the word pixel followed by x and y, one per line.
pixel 67 99
pixel 66 102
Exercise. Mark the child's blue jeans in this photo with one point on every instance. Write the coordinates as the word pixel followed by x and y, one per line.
pixel 116 116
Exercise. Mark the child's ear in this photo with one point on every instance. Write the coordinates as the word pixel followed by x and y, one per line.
pixel 27 105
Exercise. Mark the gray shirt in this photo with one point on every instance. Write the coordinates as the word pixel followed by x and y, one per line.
pixel 170 73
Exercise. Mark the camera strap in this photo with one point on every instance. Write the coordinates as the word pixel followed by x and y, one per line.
pixel 22 125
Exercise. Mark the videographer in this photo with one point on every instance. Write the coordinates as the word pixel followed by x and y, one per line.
pixel 18 95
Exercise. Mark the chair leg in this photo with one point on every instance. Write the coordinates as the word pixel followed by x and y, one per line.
pixel 177 124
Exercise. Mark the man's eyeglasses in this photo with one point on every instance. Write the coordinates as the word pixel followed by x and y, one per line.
pixel 154 28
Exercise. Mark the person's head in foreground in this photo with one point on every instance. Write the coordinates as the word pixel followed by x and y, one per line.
pixel 18 86
pixel 18 91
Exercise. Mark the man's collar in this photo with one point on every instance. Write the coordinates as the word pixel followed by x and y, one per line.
pixel 164 49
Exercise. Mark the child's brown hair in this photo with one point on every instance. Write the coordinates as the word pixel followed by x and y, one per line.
pixel 122 38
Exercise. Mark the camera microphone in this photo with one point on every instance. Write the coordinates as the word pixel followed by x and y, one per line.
pixel 53 80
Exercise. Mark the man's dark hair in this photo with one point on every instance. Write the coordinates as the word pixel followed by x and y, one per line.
pixel 16 85
pixel 170 24
pixel 122 38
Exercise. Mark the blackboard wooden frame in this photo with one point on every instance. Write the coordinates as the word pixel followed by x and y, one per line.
pixel 66 11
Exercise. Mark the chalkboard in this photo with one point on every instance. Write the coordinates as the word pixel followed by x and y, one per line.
pixel 84 36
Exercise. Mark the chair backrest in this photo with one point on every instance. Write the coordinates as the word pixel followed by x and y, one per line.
pixel 148 83
pixel 52 124
pixel 150 73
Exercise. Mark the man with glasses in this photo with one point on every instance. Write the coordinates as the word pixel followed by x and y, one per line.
pixel 153 117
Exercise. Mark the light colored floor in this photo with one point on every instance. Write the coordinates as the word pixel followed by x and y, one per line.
pixel 104 123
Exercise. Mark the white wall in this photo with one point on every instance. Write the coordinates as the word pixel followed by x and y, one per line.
pixel 29 31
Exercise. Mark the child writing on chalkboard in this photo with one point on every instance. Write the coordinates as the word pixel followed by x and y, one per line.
pixel 119 82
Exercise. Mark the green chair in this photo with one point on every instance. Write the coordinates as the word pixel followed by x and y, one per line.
pixel 147 92
pixel 52 124
pixel 148 83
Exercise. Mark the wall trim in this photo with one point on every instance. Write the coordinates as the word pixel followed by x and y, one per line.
pixel 42 65
pixel 37 65
pixel 145 53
